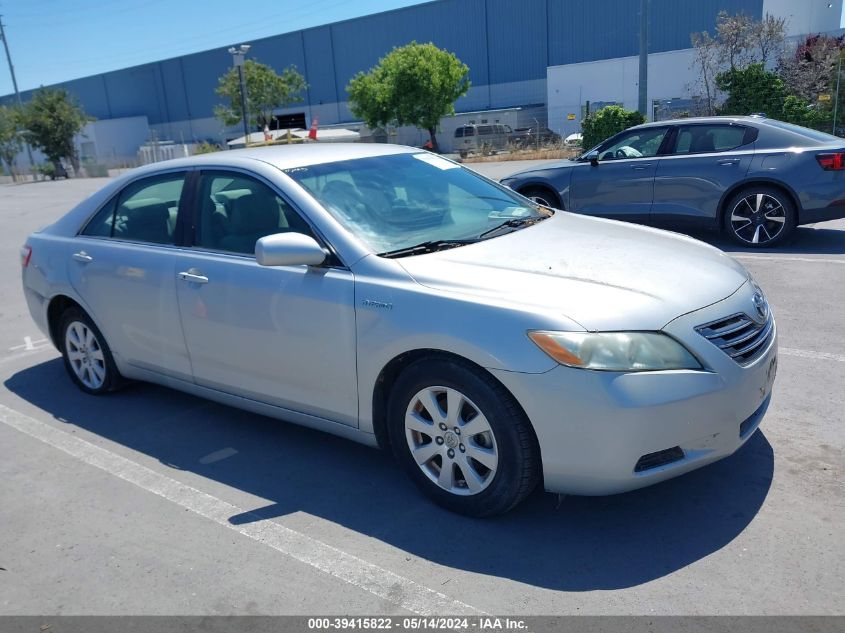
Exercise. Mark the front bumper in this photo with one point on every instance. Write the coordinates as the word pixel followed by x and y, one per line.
pixel 595 427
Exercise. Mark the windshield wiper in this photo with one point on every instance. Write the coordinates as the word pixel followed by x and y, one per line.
pixel 427 247
pixel 513 223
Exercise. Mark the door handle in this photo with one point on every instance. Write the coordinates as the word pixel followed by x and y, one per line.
pixel 193 277
pixel 729 161
pixel 642 167
pixel 83 257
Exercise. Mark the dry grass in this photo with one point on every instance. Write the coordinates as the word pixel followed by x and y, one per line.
pixel 551 152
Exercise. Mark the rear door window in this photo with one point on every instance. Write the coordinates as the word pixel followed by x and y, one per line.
pixel 144 211
pixel 701 139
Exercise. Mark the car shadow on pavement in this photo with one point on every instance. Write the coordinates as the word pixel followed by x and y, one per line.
pixel 807 240
pixel 569 544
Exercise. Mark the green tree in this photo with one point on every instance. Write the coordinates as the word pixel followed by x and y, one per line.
pixel 266 91
pixel 739 41
pixel 51 120
pixel 752 89
pixel 796 110
pixel 10 137
pixel 416 84
pixel 609 120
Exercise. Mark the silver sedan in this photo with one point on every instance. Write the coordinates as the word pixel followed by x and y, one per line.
pixel 393 297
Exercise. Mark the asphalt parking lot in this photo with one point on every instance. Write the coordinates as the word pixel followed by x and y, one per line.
pixel 149 501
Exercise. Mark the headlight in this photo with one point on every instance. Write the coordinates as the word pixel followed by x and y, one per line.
pixel 615 351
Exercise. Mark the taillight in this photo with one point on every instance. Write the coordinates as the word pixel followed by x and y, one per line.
pixel 832 162
pixel 26 255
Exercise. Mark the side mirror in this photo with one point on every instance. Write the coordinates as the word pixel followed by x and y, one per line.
pixel 592 157
pixel 289 249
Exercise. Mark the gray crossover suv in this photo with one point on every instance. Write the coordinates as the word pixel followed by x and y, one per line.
pixel 754 178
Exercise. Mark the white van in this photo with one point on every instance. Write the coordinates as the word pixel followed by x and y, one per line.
pixel 472 138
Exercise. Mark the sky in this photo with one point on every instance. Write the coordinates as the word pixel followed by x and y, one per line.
pixel 56 40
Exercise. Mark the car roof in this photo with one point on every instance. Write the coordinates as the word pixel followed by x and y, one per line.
pixel 705 119
pixel 288 156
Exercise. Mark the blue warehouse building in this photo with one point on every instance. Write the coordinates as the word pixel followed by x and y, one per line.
pixel 509 45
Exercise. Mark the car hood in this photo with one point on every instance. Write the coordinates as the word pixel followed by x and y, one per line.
pixel 546 166
pixel 605 275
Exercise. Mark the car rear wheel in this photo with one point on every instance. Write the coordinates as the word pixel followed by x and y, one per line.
pixel 462 437
pixel 759 217
pixel 542 196
pixel 87 357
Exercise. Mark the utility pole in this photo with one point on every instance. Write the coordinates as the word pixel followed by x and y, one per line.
pixel 14 84
pixel 836 97
pixel 238 55
pixel 643 80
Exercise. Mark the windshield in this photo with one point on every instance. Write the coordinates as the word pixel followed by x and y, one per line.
pixel 402 200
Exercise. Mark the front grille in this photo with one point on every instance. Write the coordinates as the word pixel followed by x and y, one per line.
pixel 739 336
pixel 660 458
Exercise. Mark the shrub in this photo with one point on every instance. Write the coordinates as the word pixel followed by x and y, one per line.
pixel 603 124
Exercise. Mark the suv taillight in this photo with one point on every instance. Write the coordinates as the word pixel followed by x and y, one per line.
pixel 26 255
pixel 832 162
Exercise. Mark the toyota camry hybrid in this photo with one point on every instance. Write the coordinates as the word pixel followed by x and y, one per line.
pixel 393 297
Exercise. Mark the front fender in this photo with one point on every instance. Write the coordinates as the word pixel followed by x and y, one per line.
pixel 393 322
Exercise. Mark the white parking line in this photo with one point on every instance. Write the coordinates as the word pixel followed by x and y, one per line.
pixel 778 258
pixel 29 345
pixel 24 354
pixel 808 353
pixel 380 582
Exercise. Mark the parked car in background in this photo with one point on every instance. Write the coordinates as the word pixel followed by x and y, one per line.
pixel 533 136
pixel 573 139
pixel 393 297
pixel 475 139
pixel 751 177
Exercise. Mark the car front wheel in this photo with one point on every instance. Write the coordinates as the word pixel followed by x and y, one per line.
pixel 462 437
pixel 759 217
pixel 542 196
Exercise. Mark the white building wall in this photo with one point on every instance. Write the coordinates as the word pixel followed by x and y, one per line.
pixel 806 16
pixel 615 81
pixel 113 142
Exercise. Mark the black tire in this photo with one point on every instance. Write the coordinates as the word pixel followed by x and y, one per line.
pixel 543 196
pixel 518 468
pixel 97 355
pixel 770 215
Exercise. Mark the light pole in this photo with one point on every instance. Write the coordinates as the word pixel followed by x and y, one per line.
pixel 14 84
pixel 642 104
pixel 238 55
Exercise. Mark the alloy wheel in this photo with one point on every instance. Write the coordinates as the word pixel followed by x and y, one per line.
pixel 758 218
pixel 85 355
pixel 451 440
pixel 541 201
